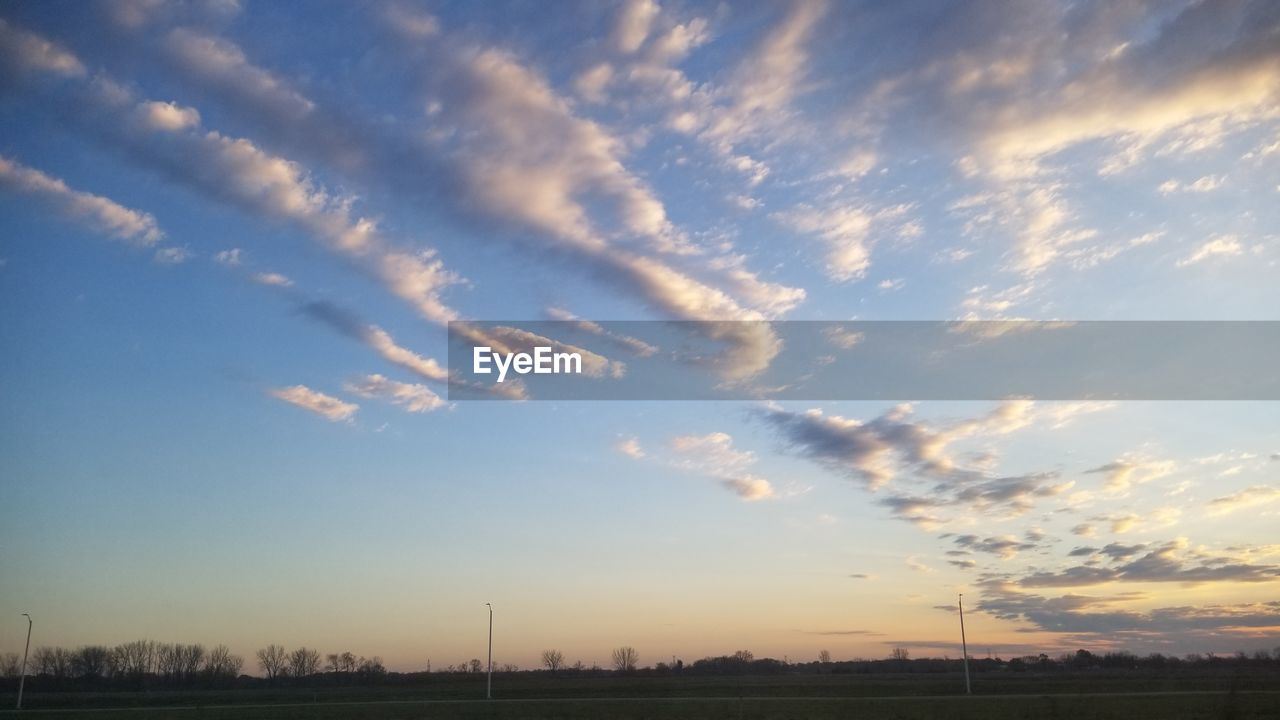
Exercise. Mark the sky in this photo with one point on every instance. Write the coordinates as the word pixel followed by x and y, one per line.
pixel 232 235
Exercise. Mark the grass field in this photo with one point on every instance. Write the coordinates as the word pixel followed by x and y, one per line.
pixel 1136 695
pixel 1206 706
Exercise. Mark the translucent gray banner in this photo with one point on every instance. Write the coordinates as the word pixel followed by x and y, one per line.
pixel 886 360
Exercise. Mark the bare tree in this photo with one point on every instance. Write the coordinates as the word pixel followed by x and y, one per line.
pixel 333 663
pixel 371 668
pixel 90 662
pixel 476 666
pixel 625 659
pixel 42 660
pixel 553 659
pixel 900 654
pixel 10 666
pixel 824 657
pixel 274 661
pixel 190 661
pixel 135 659
pixel 220 664
pixel 52 661
pixel 304 662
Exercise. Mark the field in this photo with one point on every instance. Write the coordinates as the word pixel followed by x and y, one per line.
pixel 786 697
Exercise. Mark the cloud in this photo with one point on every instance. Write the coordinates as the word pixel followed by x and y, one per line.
pixel 633 23
pixel 1122 523
pixel 1021 101
pixel 172 255
pixel 412 23
pixel 30 52
pixel 1167 562
pixel 629 447
pixel 842 338
pixel 232 257
pixel 1208 183
pixel 533 173
pixel 376 338
pixel 237 171
pixel 749 487
pixel 93 211
pixel 635 346
pixel 1090 614
pixel 223 65
pixel 912 460
pixel 876 450
pixel 1253 496
pixel 412 397
pixel 715 456
pixel 1006 547
pixel 1222 245
pixel 765 82
pixel 167 116
pixel 272 278
pixel 330 408
pixel 554 173
pixel 1122 474
pixel 538 175
pixel 913 563
pixel 593 82
pixel 845 230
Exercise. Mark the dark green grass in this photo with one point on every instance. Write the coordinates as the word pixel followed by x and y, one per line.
pixel 1206 693
pixel 1208 706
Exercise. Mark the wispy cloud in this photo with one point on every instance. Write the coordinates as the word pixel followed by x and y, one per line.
pixel 1220 246
pixel 94 211
pixel 1253 496
pixel 715 456
pixel 412 397
pixel 272 278
pixel 326 406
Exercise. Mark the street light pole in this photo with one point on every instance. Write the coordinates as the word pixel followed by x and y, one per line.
pixel 22 680
pixel 488 692
pixel 964 648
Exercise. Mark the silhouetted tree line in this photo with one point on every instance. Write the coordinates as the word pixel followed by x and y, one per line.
pixel 144 664
pixel 131 665
pixel 900 661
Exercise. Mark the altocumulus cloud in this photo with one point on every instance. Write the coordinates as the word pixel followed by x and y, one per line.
pixel 1099 614
pixel 1167 562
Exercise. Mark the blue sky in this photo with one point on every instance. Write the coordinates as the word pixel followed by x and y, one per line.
pixel 233 233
